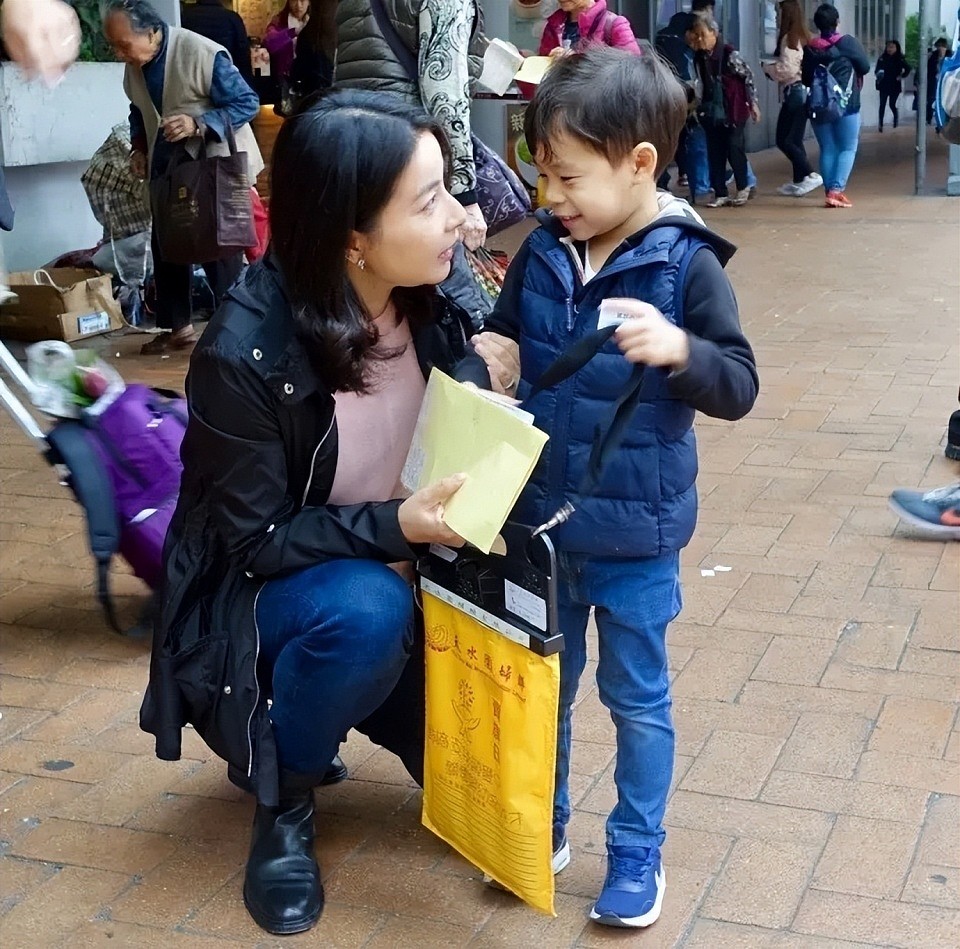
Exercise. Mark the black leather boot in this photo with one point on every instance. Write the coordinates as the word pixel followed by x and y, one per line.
pixel 282 889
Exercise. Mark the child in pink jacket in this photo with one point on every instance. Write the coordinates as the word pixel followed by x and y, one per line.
pixel 581 23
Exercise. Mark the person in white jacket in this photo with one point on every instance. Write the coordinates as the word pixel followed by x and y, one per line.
pixel 792 122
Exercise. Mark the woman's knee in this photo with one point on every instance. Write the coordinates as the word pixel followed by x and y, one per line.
pixel 379 604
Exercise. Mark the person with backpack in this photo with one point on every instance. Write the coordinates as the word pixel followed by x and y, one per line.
pixel 833 68
pixel 793 35
pixel 891 68
pixel 728 101
pixel 582 23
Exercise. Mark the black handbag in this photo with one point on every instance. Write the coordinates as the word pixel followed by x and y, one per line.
pixel 201 206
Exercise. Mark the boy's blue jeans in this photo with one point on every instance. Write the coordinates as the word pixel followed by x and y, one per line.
pixel 635 600
pixel 838 150
pixel 337 647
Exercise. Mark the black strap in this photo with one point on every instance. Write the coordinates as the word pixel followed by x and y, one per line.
pixel 90 484
pixel 604 444
pixel 388 31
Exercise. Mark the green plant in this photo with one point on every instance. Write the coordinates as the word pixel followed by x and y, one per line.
pixel 93 46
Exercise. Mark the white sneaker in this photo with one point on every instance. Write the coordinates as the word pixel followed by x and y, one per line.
pixel 718 203
pixel 7 295
pixel 790 190
pixel 810 183
pixel 741 198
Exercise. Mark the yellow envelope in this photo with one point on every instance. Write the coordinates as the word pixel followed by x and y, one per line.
pixel 533 70
pixel 460 430
pixel 491 750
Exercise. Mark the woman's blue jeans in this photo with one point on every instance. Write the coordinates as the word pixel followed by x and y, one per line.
pixel 635 600
pixel 838 150
pixel 337 646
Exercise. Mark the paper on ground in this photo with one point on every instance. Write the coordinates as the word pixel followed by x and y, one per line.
pixel 460 430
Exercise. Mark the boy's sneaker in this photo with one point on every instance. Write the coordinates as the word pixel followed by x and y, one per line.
pixel 740 198
pixel 633 890
pixel 721 202
pixel 791 190
pixel 937 512
pixel 810 183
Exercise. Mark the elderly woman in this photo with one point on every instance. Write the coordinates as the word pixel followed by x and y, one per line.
pixel 183 89
pixel 582 23
pixel 282 625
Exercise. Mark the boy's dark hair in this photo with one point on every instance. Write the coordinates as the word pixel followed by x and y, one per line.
pixel 585 95
pixel 942 42
pixel 702 6
pixel 826 18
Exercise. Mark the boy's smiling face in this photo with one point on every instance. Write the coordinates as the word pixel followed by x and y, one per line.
pixel 594 198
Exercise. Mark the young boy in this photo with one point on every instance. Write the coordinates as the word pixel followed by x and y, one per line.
pixel 603 127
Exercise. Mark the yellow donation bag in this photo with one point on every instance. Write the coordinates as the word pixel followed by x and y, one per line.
pixel 493 682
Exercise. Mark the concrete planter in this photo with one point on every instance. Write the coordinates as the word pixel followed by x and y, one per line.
pixel 47 137
pixel 39 126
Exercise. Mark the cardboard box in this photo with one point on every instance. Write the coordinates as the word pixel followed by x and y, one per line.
pixel 67 303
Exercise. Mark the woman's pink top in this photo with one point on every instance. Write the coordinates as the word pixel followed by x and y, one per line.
pixel 375 430
pixel 593 30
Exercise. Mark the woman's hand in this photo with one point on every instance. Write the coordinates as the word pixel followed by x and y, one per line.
pixel 421 515
pixel 138 164
pixel 648 337
pixel 755 111
pixel 474 229
pixel 178 127
pixel 502 356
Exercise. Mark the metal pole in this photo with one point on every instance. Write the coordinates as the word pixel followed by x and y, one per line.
pixel 920 170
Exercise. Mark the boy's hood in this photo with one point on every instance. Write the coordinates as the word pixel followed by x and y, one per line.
pixel 820 43
pixel 674 212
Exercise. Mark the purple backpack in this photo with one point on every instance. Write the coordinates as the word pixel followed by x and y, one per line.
pixel 125 470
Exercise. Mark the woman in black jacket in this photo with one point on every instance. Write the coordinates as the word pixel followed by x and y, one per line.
pixel 891 68
pixel 282 625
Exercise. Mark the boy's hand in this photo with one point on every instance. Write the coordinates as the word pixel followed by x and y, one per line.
pixel 648 337
pixel 502 356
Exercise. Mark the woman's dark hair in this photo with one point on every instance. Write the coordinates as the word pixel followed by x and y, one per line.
pixel 896 43
pixel 826 18
pixel 793 26
pixel 335 166
pixel 583 95
pixel 141 14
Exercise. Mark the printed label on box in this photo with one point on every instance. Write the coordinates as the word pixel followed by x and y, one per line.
pixel 93 323
pixel 528 606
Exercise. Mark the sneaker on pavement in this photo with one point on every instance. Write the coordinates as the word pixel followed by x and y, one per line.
pixel 632 893
pixel 721 202
pixel 740 198
pixel 810 183
pixel 791 190
pixel 844 201
pixel 832 200
pixel 937 512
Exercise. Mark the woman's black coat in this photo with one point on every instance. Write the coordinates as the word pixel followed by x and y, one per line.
pixel 260 453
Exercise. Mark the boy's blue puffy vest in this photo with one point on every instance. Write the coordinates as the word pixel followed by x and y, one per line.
pixel 646 502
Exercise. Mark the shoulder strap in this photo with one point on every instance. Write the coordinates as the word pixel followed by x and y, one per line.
pixel 604 444
pixel 91 485
pixel 609 19
pixel 404 56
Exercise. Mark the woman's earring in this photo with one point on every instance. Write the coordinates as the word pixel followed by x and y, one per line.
pixel 361 263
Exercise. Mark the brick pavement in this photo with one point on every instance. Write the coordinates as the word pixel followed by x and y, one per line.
pixel 816 797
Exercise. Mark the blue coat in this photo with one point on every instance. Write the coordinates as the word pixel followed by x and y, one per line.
pixel 646 501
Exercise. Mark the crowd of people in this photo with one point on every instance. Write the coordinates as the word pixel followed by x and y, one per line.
pixel 287 614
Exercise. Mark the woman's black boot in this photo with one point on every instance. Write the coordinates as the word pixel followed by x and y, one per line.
pixel 282 889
